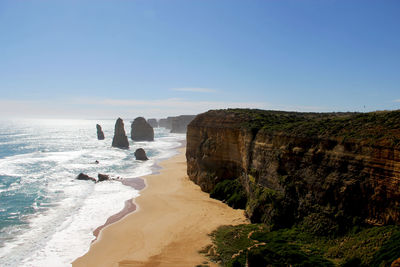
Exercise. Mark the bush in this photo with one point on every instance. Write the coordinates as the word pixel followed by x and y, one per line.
pixel 389 252
pixel 231 192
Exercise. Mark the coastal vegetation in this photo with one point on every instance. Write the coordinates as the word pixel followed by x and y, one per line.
pixel 258 245
pixel 379 127
pixel 318 188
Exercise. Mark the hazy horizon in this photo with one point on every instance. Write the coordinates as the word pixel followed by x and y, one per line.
pixel 109 59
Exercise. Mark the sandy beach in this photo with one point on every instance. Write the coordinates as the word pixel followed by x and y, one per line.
pixel 170 225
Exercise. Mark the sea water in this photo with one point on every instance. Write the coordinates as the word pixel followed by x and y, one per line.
pixel 47 216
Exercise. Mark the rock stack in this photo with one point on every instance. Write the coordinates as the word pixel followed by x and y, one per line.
pixel 140 154
pixel 141 130
pixel 120 139
pixel 100 134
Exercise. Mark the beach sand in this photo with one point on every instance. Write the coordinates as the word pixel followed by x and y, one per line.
pixel 169 227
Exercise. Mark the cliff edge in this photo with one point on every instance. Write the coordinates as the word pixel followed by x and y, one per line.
pixel 327 171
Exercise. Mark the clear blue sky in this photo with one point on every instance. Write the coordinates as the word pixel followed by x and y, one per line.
pixel 168 57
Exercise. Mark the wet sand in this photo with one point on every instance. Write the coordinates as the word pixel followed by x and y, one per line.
pixel 169 227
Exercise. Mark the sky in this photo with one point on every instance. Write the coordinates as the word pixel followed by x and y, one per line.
pixel 128 58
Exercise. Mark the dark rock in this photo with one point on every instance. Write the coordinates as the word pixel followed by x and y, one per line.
pixel 153 123
pixel 102 177
pixel 85 177
pixel 100 134
pixel 180 123
pixel 141 130
pixel 120 139
pixel 140 154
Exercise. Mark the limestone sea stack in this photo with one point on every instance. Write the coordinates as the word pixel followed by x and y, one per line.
pixel 120 139
pixel 140 154
pixel 153 123
pixel 100 133
pixel 141 130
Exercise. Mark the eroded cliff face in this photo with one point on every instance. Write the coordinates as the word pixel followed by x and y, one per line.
pixel 179 124
pixel 329 181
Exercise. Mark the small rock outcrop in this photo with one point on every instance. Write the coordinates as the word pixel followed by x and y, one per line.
pixel 100 133
pixel 102 177
pixel 85 177
pixel 153 123
pixel 120 139
pixel 140 154
pixel 141 130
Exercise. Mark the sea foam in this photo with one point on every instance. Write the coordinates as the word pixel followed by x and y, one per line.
pixel 47 216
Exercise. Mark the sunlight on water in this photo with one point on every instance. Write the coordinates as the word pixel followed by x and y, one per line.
pixel 46 216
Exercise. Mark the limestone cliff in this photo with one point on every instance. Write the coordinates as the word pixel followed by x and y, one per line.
pixel 166 123
pixel 334 170
pixel 179 123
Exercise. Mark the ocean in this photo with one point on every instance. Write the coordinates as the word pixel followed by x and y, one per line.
pixel 47 216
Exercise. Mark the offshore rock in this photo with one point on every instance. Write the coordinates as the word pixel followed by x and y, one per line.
pixel 321 170
pixel 179 124
pixel 100 133
pixel 85 177
pixel 153 123
pixel 102 177
pixel 120 139
pixel 141 130
pixel 140 154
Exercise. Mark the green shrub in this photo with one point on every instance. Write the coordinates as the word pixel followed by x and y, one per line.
pixel 231 192
pixel 389 252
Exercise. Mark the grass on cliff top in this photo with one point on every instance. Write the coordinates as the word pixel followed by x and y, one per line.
pixel 375 128
pixel 258 246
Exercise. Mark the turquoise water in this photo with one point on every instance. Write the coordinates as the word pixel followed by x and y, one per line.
pixel 46 216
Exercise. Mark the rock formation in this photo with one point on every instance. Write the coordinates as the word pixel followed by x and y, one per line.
pixel 85 177
pixel 180 123
pixel 166 123
pixel 102 177
pixel 100 134
pixel 141 130
pixel 153 123
pixel 120 139
pixel 331 170
pixel 140 154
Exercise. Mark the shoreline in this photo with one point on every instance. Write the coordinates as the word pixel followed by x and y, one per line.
pixel 169 226
pixel 138 183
